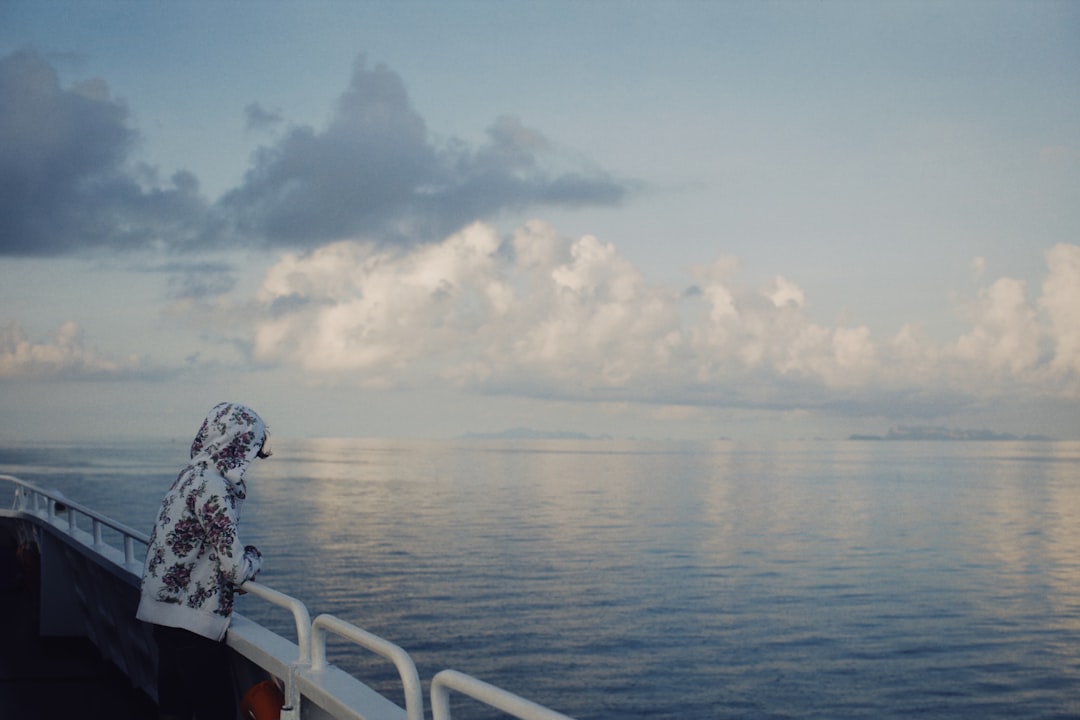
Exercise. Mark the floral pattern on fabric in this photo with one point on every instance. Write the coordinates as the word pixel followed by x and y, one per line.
pixel 185 536
pixel 195 559
pixel 218 526
pixel 229 438
pixel 206 537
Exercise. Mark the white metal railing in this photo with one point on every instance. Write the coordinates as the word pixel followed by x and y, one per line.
pixel 30 498
pixel 310 635
pixel 300 614
pixel 496 697
pixel 302 618
pixel 410 679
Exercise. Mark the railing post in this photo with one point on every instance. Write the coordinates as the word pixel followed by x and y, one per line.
pixel 440 698
pixel 300 613
pixel 410 679
pixel 311 637
pixel 28 498
pixel 302 618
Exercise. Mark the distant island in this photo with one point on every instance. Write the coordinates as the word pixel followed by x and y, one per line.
pixel 530 434
pixel 925 432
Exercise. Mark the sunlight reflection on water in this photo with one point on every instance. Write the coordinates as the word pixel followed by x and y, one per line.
pixel 618 579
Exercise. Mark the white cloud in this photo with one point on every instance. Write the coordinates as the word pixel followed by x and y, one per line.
pixel 978 267
pixel 590 322
pixel 542 314
pixel 1061 302
pixel 348 307
pixel 67 356
pixel 1005 338
pixel 783 292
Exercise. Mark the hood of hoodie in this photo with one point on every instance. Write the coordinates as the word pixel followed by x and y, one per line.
pixel 229 439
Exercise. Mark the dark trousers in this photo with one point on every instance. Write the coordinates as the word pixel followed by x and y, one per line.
pixel 194 676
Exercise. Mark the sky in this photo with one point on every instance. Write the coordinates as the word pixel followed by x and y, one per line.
pixel 638 219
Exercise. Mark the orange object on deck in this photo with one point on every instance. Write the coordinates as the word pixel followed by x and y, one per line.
pixel 262 701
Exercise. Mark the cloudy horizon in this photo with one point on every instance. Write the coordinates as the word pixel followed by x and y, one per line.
pixel 736 258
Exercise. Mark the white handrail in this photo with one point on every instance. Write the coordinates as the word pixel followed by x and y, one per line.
pixel 486 693
pixel 410 679
pixel 310 636
pixel 300 614
pixel 27 496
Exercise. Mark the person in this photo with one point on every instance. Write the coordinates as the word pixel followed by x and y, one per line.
pixel 195 562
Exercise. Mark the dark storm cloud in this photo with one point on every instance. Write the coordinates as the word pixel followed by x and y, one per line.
pixel 68 183
pixel 198 280
pixel 374 173
pixel 259 118
pixel 64 186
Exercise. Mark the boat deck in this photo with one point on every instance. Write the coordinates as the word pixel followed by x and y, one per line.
pixel 50 678
pixel 79 584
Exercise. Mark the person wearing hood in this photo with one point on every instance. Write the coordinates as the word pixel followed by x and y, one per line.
pixel 195 562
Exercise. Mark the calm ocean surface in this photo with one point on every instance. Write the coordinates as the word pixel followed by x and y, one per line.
pixel 619 579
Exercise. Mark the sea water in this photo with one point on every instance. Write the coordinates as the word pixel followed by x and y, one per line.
pixel 610 579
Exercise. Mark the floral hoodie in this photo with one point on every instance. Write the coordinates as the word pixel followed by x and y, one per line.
pixel 195 559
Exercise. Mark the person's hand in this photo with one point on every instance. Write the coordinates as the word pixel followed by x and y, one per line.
pixel 254 557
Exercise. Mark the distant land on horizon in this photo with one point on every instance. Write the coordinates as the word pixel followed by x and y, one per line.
pixel 521 433
pixel 925 432
pixel 898 432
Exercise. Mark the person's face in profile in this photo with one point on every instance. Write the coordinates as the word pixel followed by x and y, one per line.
pixel 265 451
